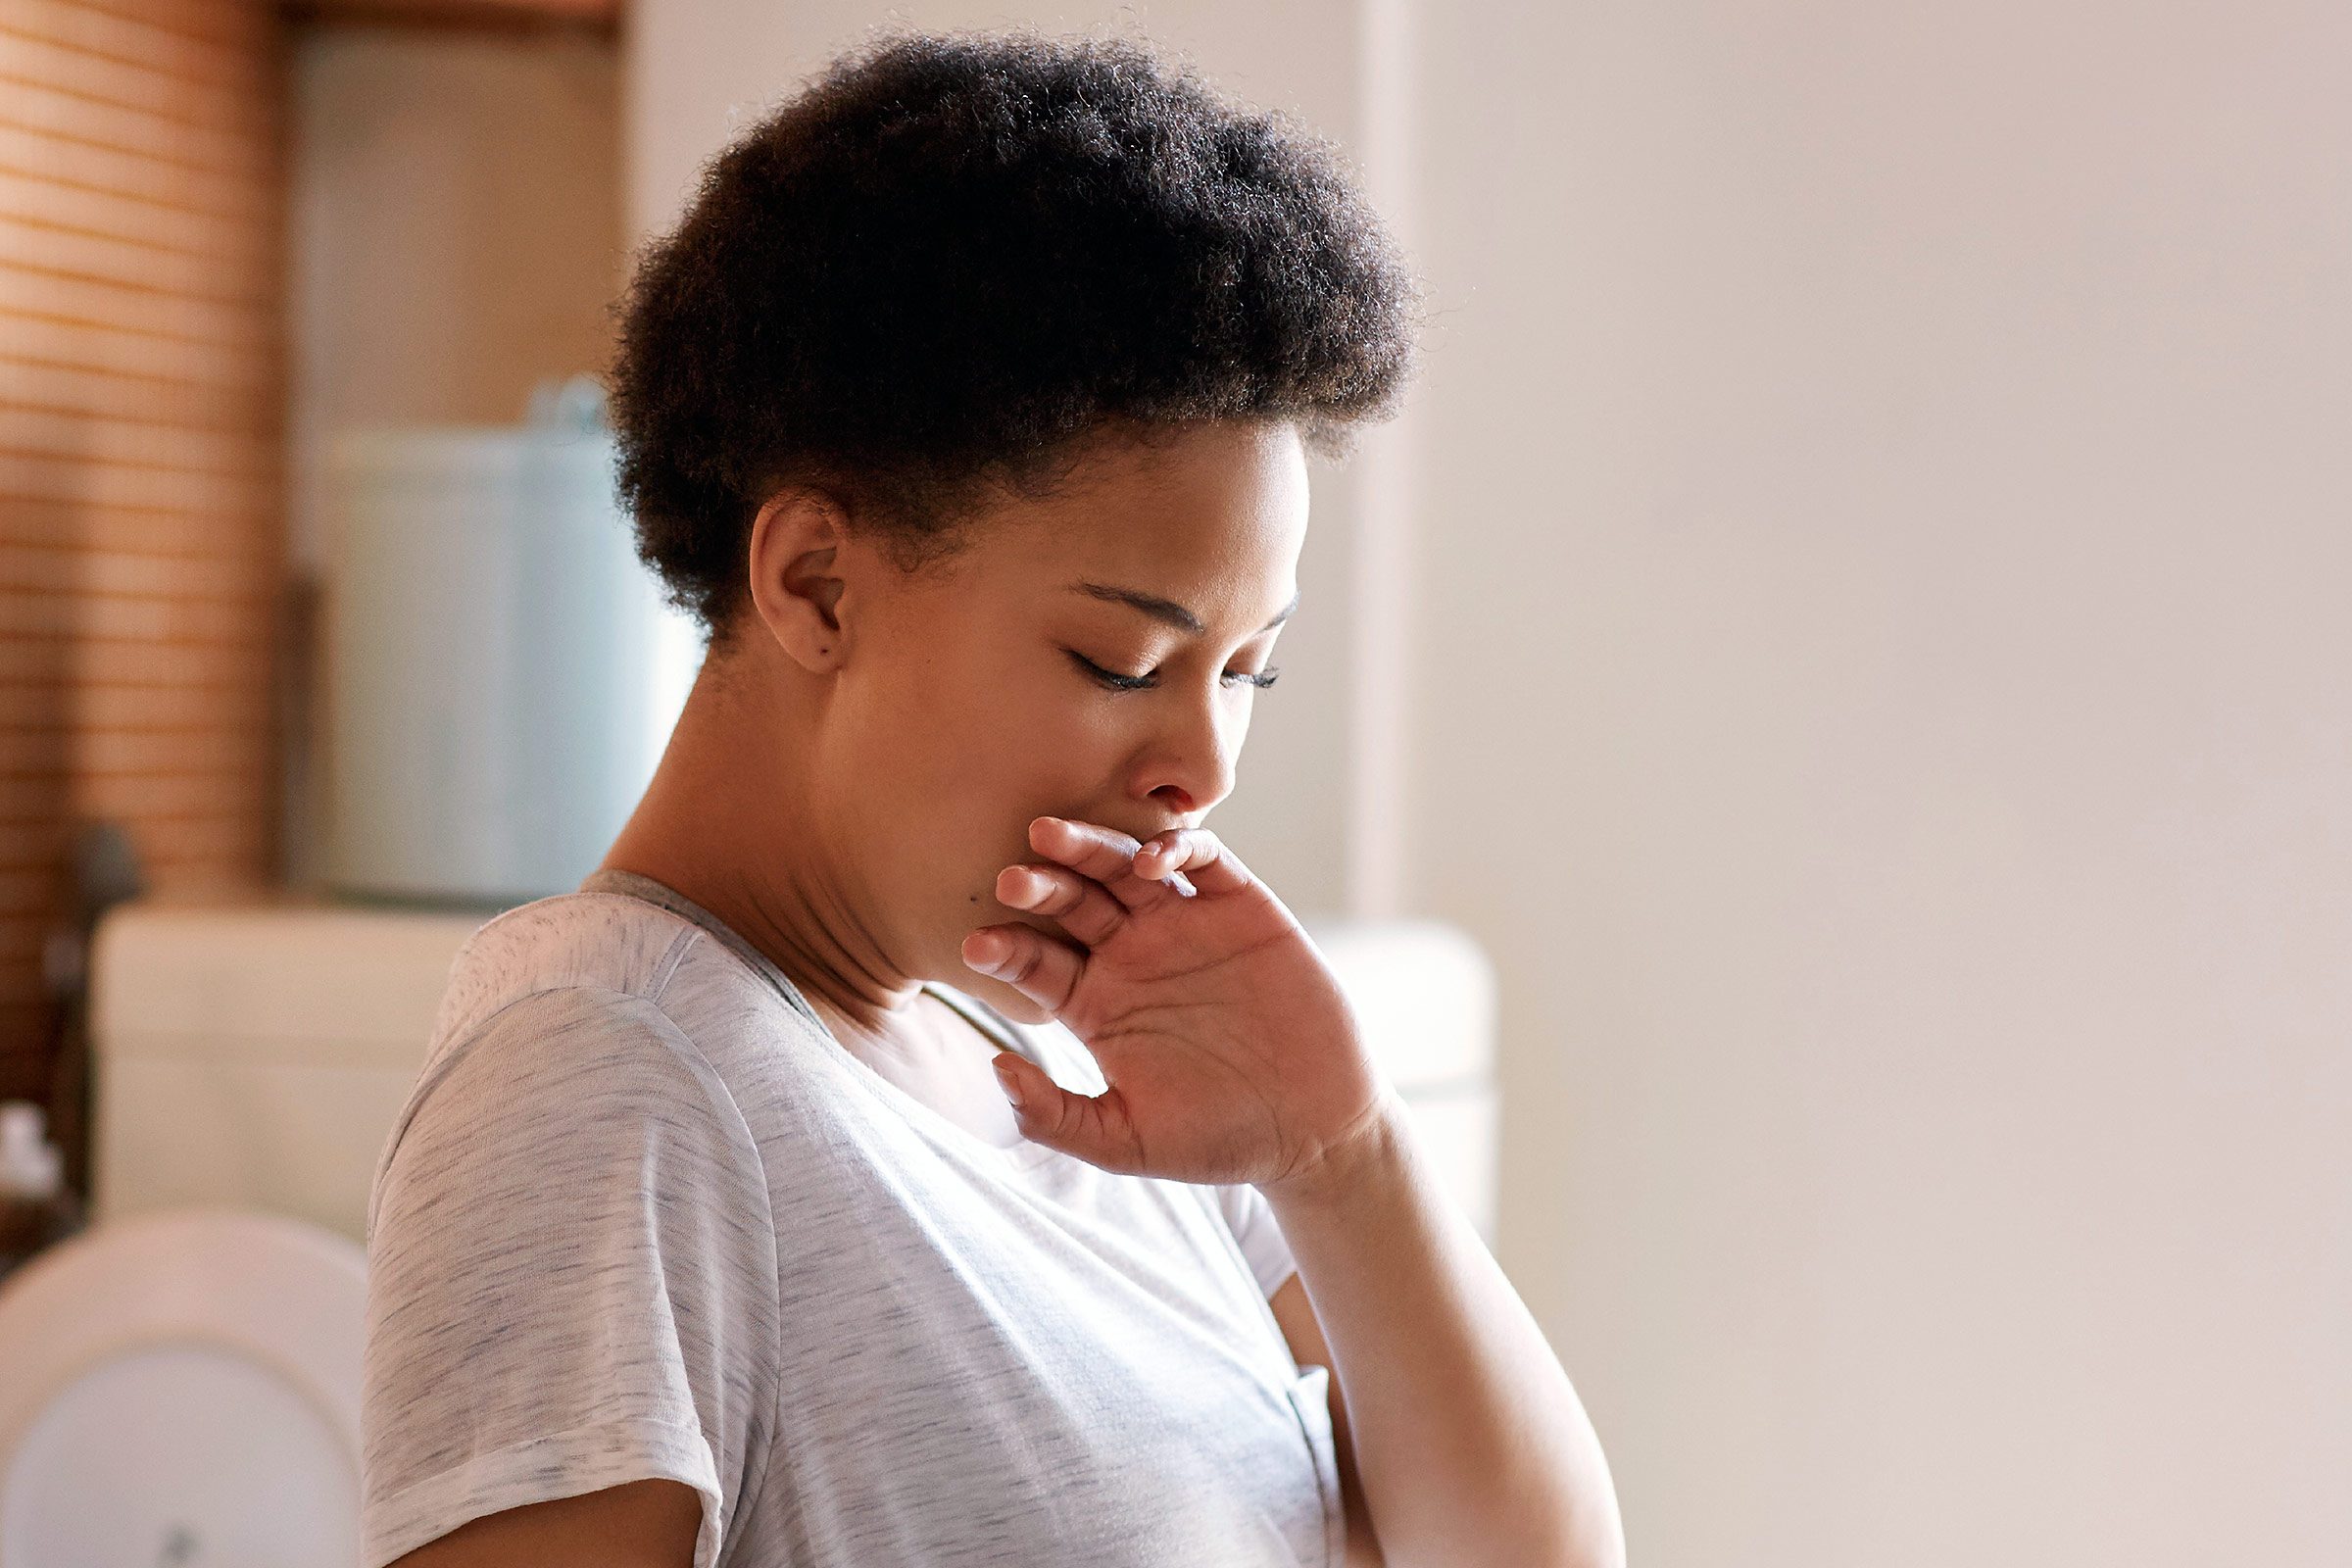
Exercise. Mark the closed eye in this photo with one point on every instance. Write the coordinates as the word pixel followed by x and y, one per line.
pixel 1145 682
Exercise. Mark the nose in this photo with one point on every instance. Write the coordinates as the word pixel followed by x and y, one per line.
pixel 1193 767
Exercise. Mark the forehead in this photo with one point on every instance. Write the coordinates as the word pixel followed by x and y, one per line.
pixel 1219 510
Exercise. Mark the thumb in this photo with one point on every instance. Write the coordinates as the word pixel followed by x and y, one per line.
pixel 1033 1095
pixel 1050 1114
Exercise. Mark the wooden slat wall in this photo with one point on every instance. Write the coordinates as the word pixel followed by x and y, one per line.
pixel 141 437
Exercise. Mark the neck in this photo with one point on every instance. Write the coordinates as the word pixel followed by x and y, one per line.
pixel 728 821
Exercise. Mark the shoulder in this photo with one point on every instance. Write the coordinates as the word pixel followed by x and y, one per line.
pixel 622 959
pixel 589 941
pixel 555 1050
pixel 571 1066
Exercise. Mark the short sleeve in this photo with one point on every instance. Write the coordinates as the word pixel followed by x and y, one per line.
pixel 571 1277
pixel 1250 1218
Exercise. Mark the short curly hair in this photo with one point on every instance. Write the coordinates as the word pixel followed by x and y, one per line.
pixel 954 256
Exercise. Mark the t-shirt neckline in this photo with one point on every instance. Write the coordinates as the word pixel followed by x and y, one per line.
pixel 1026 1154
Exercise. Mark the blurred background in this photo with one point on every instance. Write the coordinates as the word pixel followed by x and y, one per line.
pixel 1822 738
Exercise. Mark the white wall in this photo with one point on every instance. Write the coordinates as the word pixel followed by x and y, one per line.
pixel 1876 683
pixel 1888 709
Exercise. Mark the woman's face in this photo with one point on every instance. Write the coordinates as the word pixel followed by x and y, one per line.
pixel 964 706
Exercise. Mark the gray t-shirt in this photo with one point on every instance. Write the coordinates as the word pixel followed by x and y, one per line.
pixel 642 1215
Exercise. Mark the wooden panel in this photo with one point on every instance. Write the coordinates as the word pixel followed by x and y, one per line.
pixel 142 370
pixel 71 569
pixel 96 661
pixel 90 524
pixel 35 48
pixel 72 119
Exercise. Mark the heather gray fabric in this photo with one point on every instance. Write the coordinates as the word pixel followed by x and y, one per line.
pixel 643 1216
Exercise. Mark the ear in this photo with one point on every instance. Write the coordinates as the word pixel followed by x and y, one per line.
pixel 796 577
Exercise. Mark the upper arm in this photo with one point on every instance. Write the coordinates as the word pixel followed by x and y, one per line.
pixel 1304 1334
pixel 642 1524
pixel 571 1279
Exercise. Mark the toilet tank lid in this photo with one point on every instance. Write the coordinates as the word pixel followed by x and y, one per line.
pixel 299 977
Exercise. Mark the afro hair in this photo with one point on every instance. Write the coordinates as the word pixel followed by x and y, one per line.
pixel 953 257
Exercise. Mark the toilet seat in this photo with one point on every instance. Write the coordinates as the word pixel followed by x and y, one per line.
pixel 183 1386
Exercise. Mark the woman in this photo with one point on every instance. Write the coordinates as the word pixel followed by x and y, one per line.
pixel 967 410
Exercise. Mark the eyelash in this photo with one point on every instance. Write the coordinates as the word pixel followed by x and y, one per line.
pixel 1138 683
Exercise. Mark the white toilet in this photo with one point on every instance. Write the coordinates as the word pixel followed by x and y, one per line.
pixel 179 1384
pixel 182 1387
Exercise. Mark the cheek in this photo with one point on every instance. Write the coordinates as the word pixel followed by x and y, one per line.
pixel 990 751
pixel 982 700
pixel 1035 734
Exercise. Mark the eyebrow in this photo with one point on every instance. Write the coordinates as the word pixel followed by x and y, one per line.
pixel 1167 610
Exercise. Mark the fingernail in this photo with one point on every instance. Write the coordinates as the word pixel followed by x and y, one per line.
pixel 1011 1085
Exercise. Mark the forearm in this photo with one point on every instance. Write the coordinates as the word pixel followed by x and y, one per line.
pixel 1471 1444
